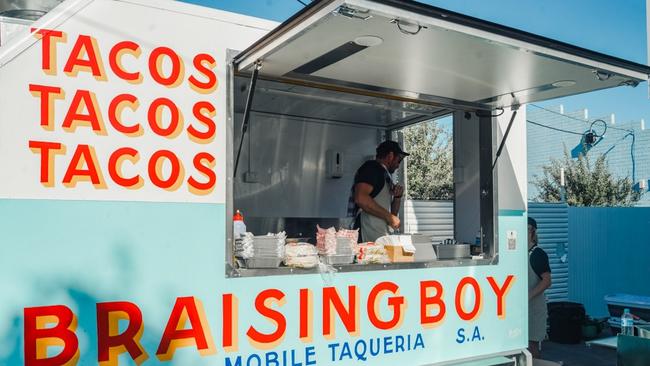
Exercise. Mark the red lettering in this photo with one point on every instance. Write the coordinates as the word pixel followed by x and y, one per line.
pixel 91 117
pixel 155 67
pixel 427 301
pixel 460 297
pixel 115 163
pixel 47 95
pixel 332 301
pixel 206 119
pixel 115 60
pixel 38 336
pixel 47 151
pixel 500 293
pixel 115 111
pixel 204 63
pixel 263 303
pixel 84 155
pixel 207 169
pixel 154 117
pixel 49 39
pixel 111 343
pixel 175 334
pixel 85 57
pixel 156 166
pixel 394 302
pixel 306 315
pixel 229 319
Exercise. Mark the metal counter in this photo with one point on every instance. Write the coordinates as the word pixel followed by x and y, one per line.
pixel 344 268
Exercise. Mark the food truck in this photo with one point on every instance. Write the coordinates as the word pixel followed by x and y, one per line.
pixel 131 133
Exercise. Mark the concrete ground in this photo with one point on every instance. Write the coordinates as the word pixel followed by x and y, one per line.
pixel 578 354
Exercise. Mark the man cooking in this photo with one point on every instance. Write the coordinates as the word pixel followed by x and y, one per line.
pixel 376 198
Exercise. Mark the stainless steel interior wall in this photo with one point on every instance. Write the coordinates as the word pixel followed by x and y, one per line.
pixel 288 156
pixel 466 177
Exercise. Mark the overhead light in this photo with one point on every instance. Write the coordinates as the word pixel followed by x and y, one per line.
pixel 368 41
pixel 632 83
pixel 564 83
pixel 602 75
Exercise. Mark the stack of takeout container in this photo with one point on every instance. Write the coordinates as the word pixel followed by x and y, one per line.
pixel 264 251
pixel 344 252
pixel 300 255
pixel 371 253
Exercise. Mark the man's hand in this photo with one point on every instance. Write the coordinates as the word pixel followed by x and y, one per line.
pixel 393 222
pixel 398 191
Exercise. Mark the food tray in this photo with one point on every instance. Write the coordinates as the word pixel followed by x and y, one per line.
pixel 263 262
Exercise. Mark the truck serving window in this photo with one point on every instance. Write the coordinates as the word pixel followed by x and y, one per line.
pixel 296 170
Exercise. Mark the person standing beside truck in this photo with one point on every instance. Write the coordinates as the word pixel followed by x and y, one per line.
pixel 539 279
pixel 375 200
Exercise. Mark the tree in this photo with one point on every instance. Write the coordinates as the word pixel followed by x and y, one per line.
pixel 430 167
pixel 586 184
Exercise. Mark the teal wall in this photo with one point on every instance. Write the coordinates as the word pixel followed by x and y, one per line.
pixel 609 250
pixel 80 253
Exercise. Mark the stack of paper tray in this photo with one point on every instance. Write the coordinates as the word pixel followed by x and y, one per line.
pixel 267 252
pixel 239 247
pixel 344 253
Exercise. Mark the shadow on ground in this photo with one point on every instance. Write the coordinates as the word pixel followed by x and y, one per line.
pixel 578 354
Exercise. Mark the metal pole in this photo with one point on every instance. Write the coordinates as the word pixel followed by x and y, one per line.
pixel 247 113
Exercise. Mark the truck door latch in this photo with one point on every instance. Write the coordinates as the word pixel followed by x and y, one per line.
pixel 349 12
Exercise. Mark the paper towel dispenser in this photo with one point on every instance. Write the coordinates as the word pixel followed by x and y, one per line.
pixel 334 160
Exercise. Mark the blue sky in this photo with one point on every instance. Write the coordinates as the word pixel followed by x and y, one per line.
pixel 617 28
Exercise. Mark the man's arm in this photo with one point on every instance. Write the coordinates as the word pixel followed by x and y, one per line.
pixel 363 199
pixel 541 286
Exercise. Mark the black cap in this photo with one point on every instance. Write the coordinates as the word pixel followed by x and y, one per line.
pixel 532 222
pixel 390 146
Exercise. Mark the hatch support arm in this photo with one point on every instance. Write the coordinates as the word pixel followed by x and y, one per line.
pixel 247 112
pixel 505 137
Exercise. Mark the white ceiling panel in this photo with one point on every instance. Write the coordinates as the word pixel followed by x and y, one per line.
pixel 413 51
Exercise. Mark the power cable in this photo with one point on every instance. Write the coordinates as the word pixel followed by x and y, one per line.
pixel 630 132
pixel 554 128
pixel 575 118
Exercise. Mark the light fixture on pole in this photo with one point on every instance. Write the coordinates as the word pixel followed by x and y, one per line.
pixel 562 186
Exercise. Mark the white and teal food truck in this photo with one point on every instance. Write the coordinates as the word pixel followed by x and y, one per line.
pixel 122 124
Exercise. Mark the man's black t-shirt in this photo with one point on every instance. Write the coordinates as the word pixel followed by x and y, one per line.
pixel 539 261
pixel 373 173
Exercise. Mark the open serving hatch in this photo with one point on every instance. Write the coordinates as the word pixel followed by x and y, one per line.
pixel 403 50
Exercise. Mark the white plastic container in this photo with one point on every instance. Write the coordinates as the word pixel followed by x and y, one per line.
pixel 239 227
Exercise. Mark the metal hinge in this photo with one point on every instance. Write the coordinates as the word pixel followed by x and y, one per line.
pixel 349 12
